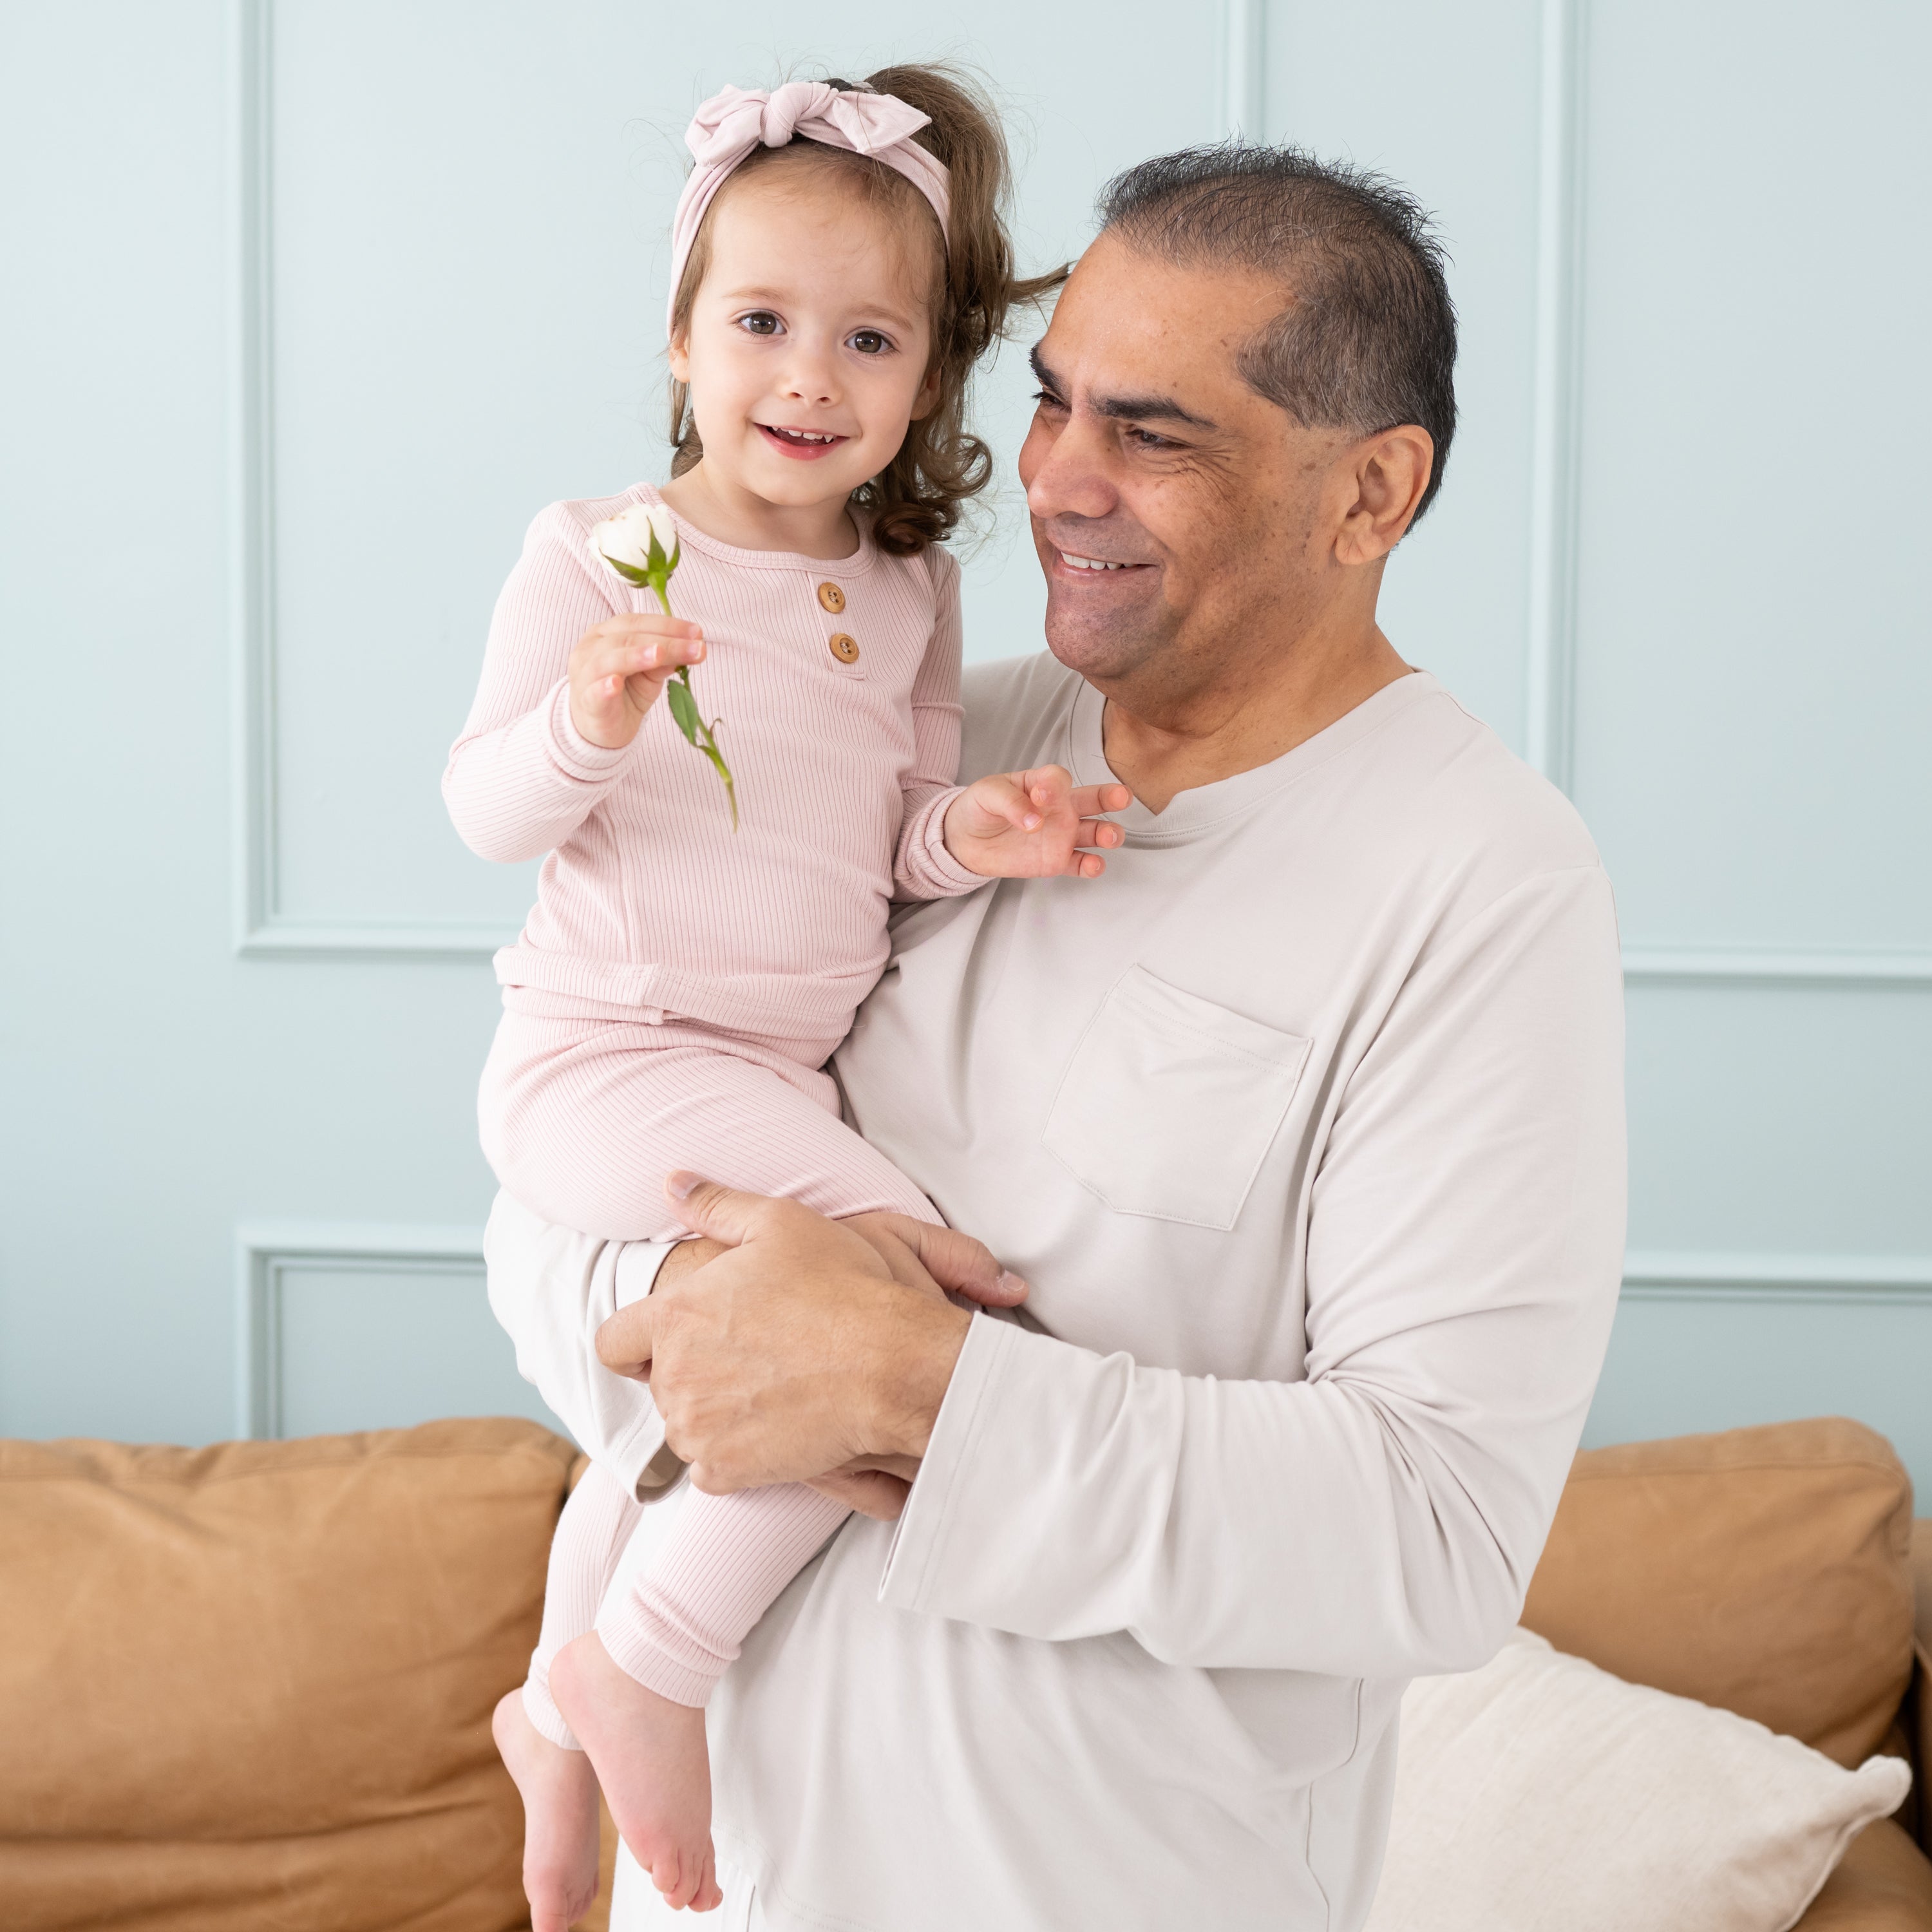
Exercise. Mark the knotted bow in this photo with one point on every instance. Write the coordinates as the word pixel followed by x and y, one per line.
pixel 738 119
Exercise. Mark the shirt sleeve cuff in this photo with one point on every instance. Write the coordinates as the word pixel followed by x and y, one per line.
pixel 920 1536
pixel 573 754
pixel 926 870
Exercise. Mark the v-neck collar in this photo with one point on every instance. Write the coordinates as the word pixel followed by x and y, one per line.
pixel 1200 809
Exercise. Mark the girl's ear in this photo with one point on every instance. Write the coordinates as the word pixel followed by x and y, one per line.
pixel 927 397
pixel 680 356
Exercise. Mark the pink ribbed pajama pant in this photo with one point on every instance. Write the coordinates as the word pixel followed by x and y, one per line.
pixel 582 1119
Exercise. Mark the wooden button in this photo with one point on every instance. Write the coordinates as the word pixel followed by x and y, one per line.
pixel 831 597
pixel 845 649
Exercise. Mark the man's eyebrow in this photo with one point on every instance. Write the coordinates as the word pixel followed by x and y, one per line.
pixel 1126 409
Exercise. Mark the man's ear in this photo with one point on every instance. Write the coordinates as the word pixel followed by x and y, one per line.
pixel 1391 470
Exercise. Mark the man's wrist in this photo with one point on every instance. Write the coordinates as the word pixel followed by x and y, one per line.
pixel 916 1357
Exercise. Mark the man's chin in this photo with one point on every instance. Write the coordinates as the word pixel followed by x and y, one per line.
pixel 1101 652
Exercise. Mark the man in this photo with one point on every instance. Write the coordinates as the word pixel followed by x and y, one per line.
pixel 1305 1126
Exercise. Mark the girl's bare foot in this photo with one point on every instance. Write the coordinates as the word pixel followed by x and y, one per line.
pixel 649 1755
pixel 559 1792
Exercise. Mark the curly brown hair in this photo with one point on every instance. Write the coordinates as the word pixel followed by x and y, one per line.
pixel 916 499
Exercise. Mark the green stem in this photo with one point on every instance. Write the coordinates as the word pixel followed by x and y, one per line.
pixel 709 748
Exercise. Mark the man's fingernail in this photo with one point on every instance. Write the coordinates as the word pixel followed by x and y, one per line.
pixel 1012 1284
pixel 683 1186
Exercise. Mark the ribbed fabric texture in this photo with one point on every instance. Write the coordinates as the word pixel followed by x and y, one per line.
pixel 582 1118
pixel 598 1516
pixel 681 1623
pixel 648 899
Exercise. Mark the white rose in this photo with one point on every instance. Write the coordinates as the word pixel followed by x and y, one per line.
pixel 626 539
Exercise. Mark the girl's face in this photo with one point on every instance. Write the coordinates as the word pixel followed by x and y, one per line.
pixel 809 340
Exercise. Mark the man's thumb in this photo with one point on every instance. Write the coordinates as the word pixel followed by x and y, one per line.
pixel 706 1208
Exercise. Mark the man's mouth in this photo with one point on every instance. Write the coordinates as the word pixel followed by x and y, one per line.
pixel 1073 561
pixel 803 444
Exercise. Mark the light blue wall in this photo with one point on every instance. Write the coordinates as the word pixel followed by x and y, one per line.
pixel 321 302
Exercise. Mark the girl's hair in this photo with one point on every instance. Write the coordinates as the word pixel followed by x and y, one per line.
pixel 916 499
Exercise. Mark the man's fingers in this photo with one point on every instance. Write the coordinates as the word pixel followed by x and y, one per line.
pixel 871 1492
pixel 953 1260
pixel 706 1207
pixel 624 1343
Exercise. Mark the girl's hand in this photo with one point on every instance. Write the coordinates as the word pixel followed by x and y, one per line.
pixel 617 671
pixel 1034 825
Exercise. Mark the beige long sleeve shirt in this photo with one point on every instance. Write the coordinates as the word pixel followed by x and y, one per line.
pixel 1305 1124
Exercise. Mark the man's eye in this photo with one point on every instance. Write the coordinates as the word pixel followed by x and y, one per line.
pixel 761 321
pixel 1047 400
pixel 1145 439
pixel 870 342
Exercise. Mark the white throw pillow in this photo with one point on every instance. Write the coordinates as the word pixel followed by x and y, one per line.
pixel 1540 1794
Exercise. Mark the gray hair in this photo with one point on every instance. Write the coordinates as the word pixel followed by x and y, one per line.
pixel 1367 337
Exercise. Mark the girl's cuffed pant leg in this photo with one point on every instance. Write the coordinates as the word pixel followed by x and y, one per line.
pixel 680 1625
pixel 598 1517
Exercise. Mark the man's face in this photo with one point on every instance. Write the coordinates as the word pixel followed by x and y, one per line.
pixel 1149 452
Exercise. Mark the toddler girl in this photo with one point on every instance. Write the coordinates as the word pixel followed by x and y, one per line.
pixel 706 925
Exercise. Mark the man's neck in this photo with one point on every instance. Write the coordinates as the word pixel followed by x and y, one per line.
pixel 1159 743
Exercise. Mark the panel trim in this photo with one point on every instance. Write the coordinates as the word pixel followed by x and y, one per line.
pixel 1244 77
pixel 267 1252
pixel 1672 1275
pixel 1776 965
pixel 1549 731
pixel 260 929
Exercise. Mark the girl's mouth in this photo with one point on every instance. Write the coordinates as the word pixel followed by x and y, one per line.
pixel 802 445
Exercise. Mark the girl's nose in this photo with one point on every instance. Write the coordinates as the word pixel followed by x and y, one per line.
pixel 810 376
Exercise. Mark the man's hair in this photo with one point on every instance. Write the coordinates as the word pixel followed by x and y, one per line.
pixel 1367 338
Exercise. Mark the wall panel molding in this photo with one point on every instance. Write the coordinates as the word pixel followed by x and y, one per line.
pixel 267 1253
pixel 261 929
pixel 1778 965
pixel 1702 1275
pixel 1244 77
pixel 1555 407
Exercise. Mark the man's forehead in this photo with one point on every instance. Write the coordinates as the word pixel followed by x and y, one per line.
pixel 1128 319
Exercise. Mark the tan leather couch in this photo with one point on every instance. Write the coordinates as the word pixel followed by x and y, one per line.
pixel 248 1688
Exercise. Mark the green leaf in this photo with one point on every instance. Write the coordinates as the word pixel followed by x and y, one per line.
pixel 683 708
pixel 629 572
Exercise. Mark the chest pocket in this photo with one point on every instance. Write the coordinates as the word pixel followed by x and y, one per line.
pixel 1170 1102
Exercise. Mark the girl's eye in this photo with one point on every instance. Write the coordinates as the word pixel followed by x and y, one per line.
pixel 870 342
pixel 761 321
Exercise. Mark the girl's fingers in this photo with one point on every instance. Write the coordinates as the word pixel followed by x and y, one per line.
pixel 1090 800
pixel 1099 832
pixel 1001 798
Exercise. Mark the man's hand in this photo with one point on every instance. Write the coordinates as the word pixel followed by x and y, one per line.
pixel 1034 825
pixel 802 1349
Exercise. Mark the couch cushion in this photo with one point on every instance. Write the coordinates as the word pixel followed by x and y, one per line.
pixel 249 1687
pixel 1882 1884
pixel 1766 1570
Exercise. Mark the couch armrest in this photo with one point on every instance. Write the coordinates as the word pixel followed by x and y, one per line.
pixel 1882 1884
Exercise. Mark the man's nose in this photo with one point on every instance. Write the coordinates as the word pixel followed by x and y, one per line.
pixel 1071 476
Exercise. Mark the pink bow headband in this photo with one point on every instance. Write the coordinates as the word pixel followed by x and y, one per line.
pixel 731 124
